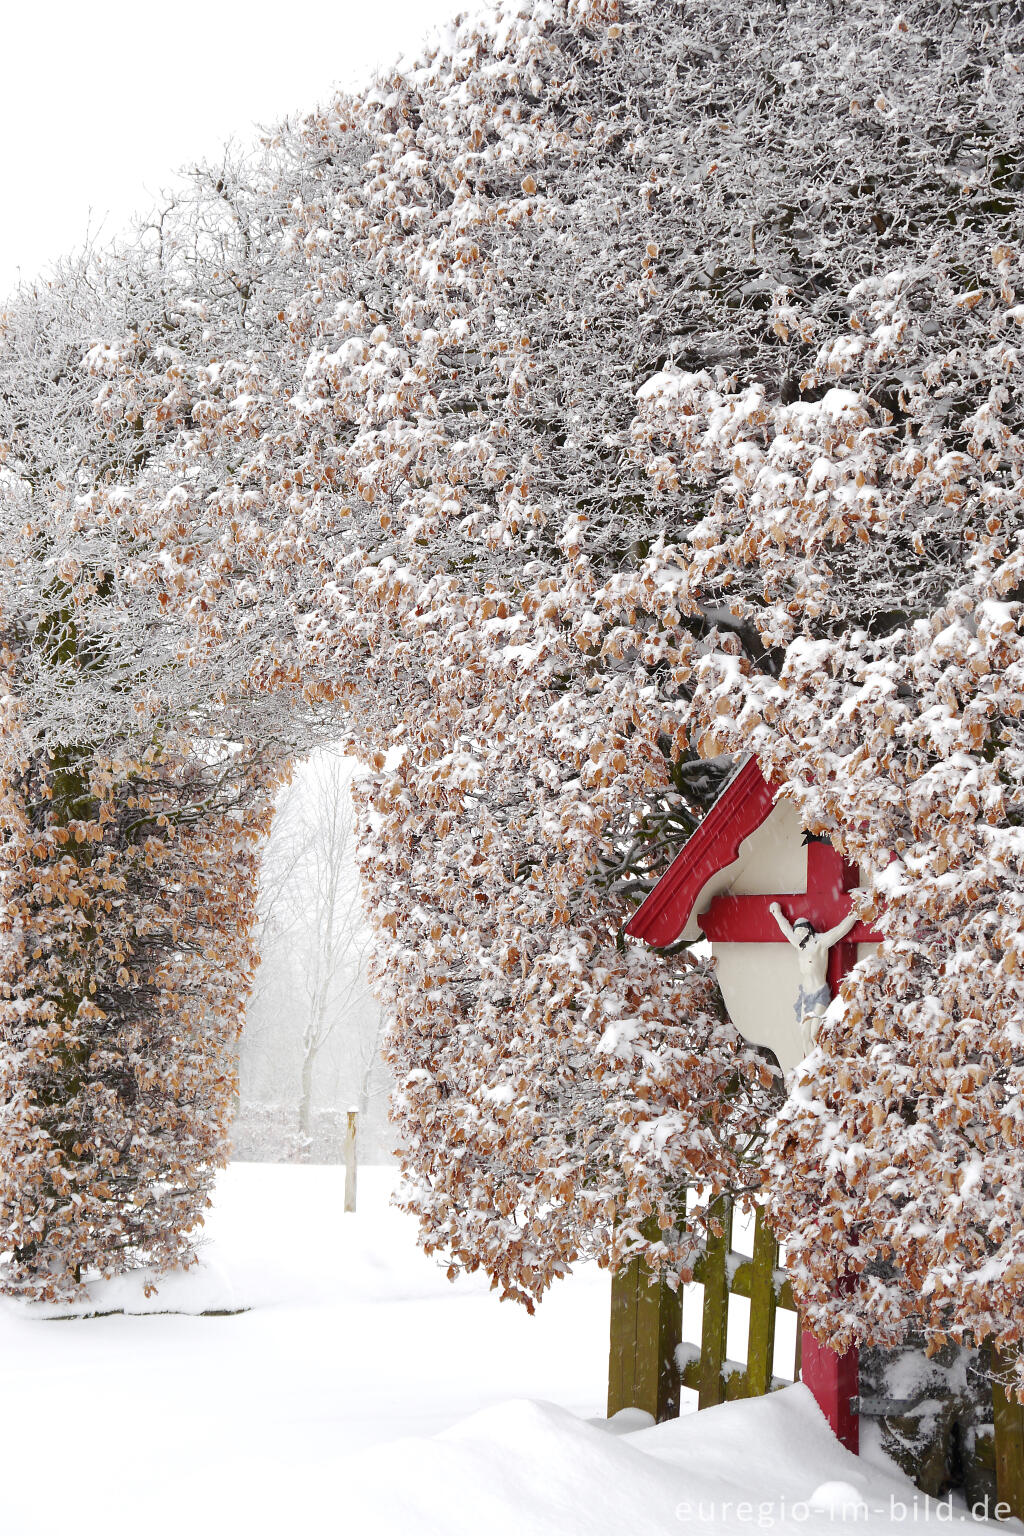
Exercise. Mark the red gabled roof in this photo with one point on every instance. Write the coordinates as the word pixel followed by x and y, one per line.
pixel 739 810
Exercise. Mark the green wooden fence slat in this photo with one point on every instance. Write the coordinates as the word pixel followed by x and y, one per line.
pixel 716 1306
pixel 1008 1421
pixel 665 1330
pixel 623 1339
pixel 761 1337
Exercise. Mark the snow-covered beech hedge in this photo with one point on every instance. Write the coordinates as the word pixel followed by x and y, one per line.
pixel 617 388
pixel 132 809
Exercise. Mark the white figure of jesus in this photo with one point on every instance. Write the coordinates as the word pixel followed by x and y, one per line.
pixel 812 956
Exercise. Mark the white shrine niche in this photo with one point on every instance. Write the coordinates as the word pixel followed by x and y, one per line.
pixel 760 982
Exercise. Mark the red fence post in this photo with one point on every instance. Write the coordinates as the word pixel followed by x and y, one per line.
pixel 833 1380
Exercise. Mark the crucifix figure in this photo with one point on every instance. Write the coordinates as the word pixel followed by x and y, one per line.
pixel 776 1003
pixel 812 951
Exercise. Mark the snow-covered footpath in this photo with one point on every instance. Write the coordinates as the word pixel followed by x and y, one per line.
pixel 363 1393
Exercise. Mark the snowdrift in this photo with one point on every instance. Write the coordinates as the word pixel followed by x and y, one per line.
pixel 360 1392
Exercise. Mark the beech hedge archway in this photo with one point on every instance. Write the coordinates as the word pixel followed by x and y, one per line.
pixel 602 398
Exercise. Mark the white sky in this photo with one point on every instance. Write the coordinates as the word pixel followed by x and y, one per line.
pixel 101 102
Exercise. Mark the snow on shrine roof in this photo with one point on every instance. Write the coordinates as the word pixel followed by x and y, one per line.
pixel 739 810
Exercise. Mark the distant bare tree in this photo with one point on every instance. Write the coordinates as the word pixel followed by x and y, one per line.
pixel 314 944
pixel 325 886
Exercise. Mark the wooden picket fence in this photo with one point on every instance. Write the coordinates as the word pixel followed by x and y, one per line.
pixel 649 1363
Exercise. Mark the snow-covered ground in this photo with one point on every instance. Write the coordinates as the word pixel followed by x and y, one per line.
pixel 364 1393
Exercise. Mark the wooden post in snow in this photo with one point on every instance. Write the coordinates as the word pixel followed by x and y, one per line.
pixel 1008 1417
pixel 350 1160
pixel 646 1327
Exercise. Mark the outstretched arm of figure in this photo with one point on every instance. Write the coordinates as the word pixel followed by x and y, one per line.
pixel 840 930
pixel 786 930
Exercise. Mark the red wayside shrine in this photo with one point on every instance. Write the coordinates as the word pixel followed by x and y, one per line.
pixel 747 866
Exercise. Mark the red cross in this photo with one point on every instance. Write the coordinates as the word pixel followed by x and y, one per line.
pixel 832 1378
pixel 747 920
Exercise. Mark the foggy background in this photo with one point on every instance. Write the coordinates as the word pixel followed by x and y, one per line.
pixel 311 1047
